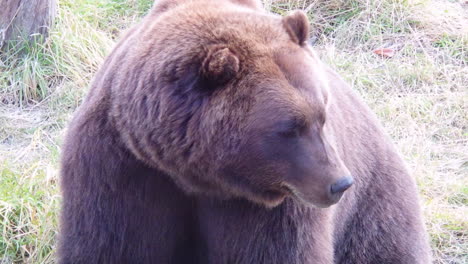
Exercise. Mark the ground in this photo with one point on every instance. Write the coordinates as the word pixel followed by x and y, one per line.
pixel 419 91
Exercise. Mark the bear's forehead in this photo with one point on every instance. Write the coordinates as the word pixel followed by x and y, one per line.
pixel 224 24
pixel 260 41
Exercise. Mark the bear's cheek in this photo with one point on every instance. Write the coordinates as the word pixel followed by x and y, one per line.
pixel 304 166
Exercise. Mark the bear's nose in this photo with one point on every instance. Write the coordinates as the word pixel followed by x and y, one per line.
pixel 341 185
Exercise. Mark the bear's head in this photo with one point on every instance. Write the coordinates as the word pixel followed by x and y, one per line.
pixel 230 102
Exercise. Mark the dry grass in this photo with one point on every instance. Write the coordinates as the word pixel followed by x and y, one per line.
pixel 420 94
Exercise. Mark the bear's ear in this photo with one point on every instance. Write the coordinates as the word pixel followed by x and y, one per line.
pixel 297 26
pixel 220 66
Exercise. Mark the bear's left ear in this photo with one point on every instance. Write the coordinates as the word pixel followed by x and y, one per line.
pixel 297 26
pixel 220 66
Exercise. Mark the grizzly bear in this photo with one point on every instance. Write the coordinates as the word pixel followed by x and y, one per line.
pixel 213 134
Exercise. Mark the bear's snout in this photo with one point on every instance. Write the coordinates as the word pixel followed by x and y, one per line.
pixel 339 187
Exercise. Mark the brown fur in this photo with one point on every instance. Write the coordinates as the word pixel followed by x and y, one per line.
pixel 212 134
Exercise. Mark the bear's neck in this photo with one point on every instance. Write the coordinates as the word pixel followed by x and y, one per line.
pixel 285 234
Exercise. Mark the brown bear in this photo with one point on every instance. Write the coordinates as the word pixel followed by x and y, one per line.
pixel 214 134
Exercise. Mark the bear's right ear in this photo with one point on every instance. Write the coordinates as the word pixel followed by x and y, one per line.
pixel 220 66
pixel 297 26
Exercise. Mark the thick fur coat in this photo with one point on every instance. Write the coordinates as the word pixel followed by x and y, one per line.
pixel 213 134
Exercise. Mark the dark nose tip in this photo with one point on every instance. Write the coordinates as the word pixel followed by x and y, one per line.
pixel 342 185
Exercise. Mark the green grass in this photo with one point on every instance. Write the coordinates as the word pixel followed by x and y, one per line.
pixel 28 212
pixel 420 95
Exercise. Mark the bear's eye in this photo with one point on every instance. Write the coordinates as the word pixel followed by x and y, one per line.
pixel 291 128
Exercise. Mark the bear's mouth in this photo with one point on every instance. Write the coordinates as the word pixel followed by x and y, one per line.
pixel 292 192
pixel 286 189
pixel 279 193
pixel 274 197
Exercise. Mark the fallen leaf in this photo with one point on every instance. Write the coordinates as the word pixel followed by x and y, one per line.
pixel 385 52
